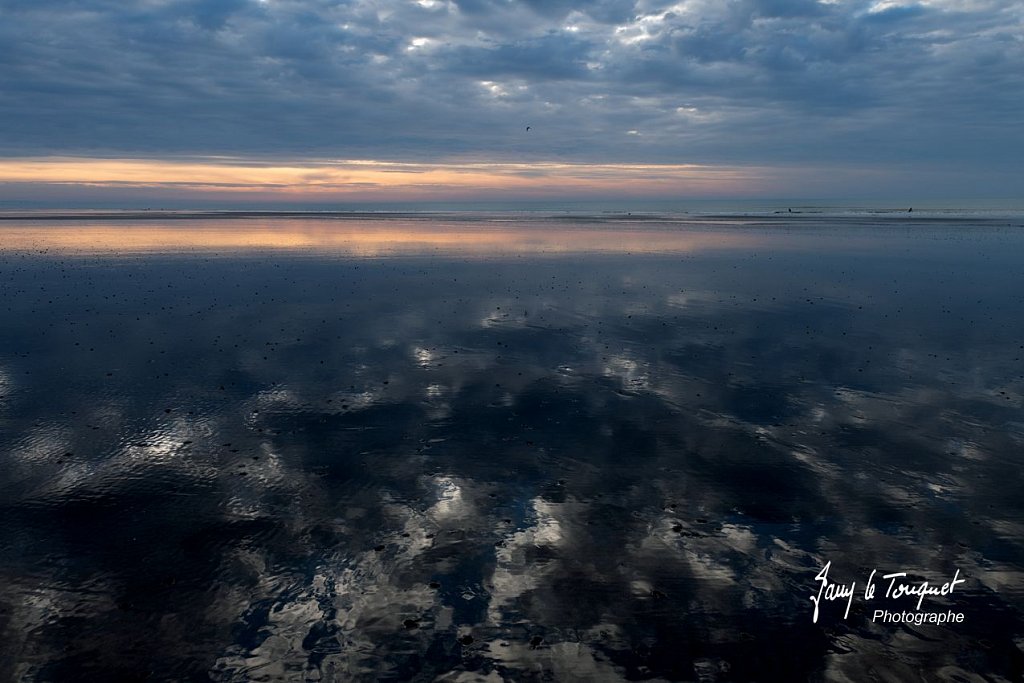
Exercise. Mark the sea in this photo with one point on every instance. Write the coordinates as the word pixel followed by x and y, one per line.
pixel 691 441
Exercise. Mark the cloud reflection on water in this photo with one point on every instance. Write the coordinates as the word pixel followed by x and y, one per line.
pixel 603 466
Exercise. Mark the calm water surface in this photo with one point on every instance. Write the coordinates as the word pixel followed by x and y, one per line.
pixel 481 450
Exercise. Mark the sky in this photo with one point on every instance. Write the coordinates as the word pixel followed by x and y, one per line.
pixel 122 102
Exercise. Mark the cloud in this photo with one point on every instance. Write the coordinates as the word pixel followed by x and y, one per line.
pixel 774 82
pixel 551 57
pixel 366 179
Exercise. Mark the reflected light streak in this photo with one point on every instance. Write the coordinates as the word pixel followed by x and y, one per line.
pixel 359 238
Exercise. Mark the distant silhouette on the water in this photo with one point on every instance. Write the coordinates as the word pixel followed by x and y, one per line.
pixel 527 129
pixel 910 210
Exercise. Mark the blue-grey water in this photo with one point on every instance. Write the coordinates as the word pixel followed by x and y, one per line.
pixel 504 447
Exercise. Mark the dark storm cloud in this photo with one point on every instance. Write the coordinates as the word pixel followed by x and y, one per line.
pixel 747 81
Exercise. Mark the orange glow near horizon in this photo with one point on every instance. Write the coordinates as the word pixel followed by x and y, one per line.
pixel 365 179
pixel 360 238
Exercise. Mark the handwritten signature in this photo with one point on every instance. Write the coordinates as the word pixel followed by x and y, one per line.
pixel 898 587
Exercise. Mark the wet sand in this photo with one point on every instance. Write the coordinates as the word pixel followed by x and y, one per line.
pixel 576 448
